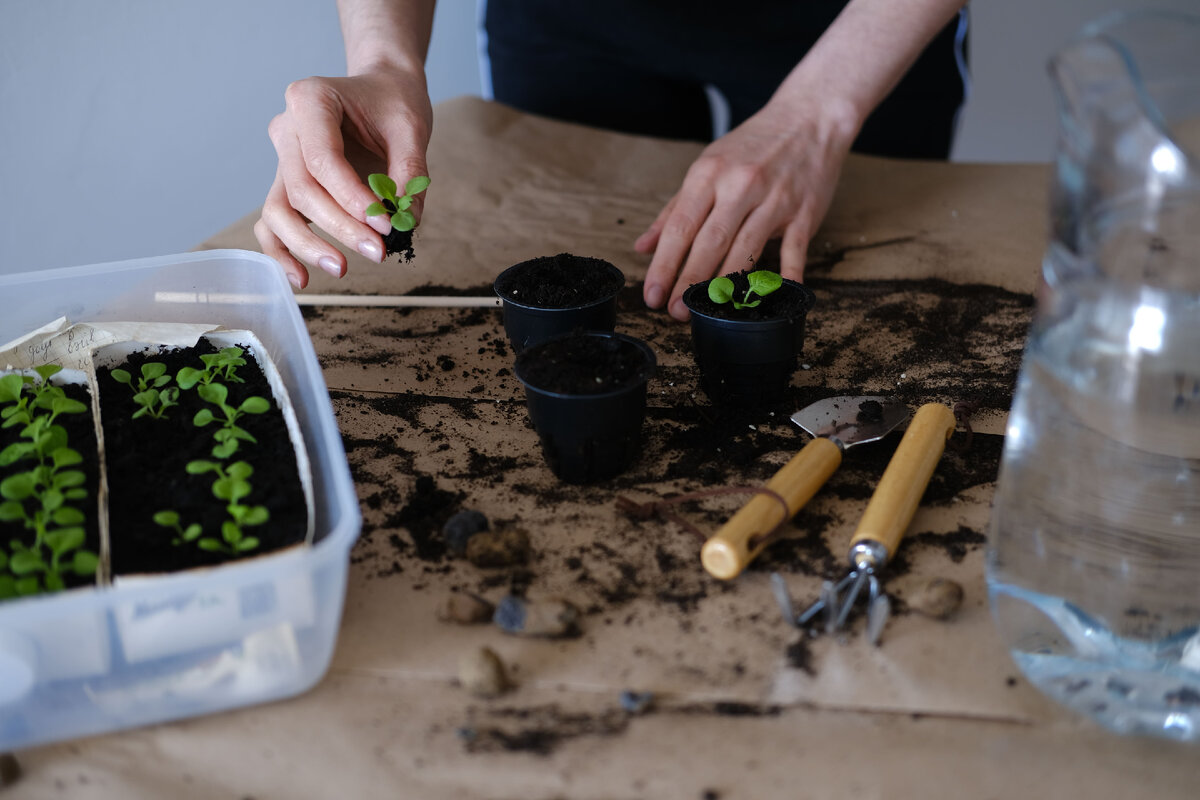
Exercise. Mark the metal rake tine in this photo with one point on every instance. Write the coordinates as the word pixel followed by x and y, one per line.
pixel 816 607
pixel 779 587
pixel 860 577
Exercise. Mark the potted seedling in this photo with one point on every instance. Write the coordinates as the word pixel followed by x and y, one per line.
pixel 552 295
pixel 586 394
pixel 399 238
pixel 201 461
pixel 747 330
pixel 49 534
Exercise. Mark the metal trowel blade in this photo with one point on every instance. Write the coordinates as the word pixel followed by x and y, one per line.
pixel 852 420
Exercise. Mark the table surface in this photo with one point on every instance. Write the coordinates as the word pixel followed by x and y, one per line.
pixel 923 273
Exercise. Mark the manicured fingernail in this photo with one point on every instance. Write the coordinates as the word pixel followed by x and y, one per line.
pixel 382 224
pixel 294 280
pixel 330 265
pixel 654 296
pixel 371 250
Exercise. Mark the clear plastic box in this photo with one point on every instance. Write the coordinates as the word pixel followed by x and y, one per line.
pixel 92 660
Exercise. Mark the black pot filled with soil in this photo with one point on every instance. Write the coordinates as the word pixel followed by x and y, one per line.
pixel 747 355
pixel 586 394
pixel 552 295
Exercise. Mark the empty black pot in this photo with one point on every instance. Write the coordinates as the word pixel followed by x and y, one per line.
pixel 552 295
pixel 589 430
pixel 748 361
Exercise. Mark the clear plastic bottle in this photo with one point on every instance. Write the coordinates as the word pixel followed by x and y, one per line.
pixel 1093 560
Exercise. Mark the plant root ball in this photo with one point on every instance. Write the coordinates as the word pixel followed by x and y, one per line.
pixel 936 597
pixel 503 548
pixel 459 529
pixel 481 672
pixel 465 608
pixel 551 618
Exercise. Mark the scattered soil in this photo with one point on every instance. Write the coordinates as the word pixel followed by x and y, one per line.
pixel 583 364
pixel 560 281
pixel 789 301
pixel 146 461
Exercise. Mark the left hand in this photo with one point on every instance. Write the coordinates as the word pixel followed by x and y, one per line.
pixel 774 175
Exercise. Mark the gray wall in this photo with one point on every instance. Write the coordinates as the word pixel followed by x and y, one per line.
pixel 133 128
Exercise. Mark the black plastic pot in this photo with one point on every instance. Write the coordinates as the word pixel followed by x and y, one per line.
pixel 587 437
pixel 579 305
pixel 747 361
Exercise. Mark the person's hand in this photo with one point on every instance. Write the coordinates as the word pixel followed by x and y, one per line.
pixel 772 176
pixel 384 115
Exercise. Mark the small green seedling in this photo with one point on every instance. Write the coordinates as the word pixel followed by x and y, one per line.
pixel 232 484
pixel 220 365
pixel 229 434
pixel 388 203
pixel 762 283
pixel 151 391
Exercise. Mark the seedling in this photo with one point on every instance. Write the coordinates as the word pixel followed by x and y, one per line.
pixel 39 497
pixel 228 436
pixel 762 283
pixel 397 207
pixel 220 365
pixel 151 391
pixel 232 484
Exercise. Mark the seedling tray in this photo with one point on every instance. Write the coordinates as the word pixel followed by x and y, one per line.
pixel 170 646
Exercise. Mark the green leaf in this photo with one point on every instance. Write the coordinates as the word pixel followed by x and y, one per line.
pixel 66 457
pixel 25 562
pixel 416 185
pixel 751 304
pixel 152 370
pixel 69 479
pixel 192 532
pixel 210 544
pixel 249 543
pixel 52 439
pixel 11 511
pixel 168 519
pixel 52 499
pixel 231 532
pixel 403 221
pixel 75 494
pixel 238 433
pixel 28 586
pixel 225 449
pixel 122 376
pixel 404 203
pixel 255 405
pixel 10 388
pixel 383 186
pixel 65 405
pixel 17 487
pixel 375 209
pixel 64 540
pixel 147 398
pixel 15 452
pixel 68 515
pixel 188 377
pixel 214 393
pixel 199 467
pixel 240 470
pixel 84 562
pixel 720 289
pixel 230 489
pixel 46 371
pixel 256 516
pixel 763 281
pixel 8 587
pixel 202 418
pixel 54 583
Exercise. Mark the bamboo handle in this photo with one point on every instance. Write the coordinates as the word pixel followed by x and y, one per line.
pixel 728 551
pixel 899 491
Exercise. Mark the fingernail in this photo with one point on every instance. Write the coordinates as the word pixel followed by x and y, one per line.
pixel 679 310
pixel 371 250
pixel 294 280
pixel 382 224
pixel 654 296
pixel 330 265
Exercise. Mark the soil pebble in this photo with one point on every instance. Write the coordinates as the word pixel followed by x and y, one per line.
pixel 465 609
pixel 502 548
pixel 481 672
pixel 10 770
pixel 936 597
pixel 461 526
pixel 549 618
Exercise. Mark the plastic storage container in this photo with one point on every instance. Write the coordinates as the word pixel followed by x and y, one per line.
pixel 93 660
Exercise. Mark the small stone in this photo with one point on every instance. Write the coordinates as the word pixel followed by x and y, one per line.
pixel 465 609
pixel 501 548
pixel 937 597
pixel 481 672
pixel 459 529
pixel 549 618
pixel 636 702
pixel 10 770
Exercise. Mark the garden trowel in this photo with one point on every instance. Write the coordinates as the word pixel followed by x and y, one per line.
pixel 835 423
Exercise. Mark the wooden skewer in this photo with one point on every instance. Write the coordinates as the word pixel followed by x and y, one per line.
pixel 396 301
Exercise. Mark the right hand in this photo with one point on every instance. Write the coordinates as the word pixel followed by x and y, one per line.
pixel 384 114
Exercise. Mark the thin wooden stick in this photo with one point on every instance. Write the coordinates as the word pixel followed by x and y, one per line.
pixel 396 301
